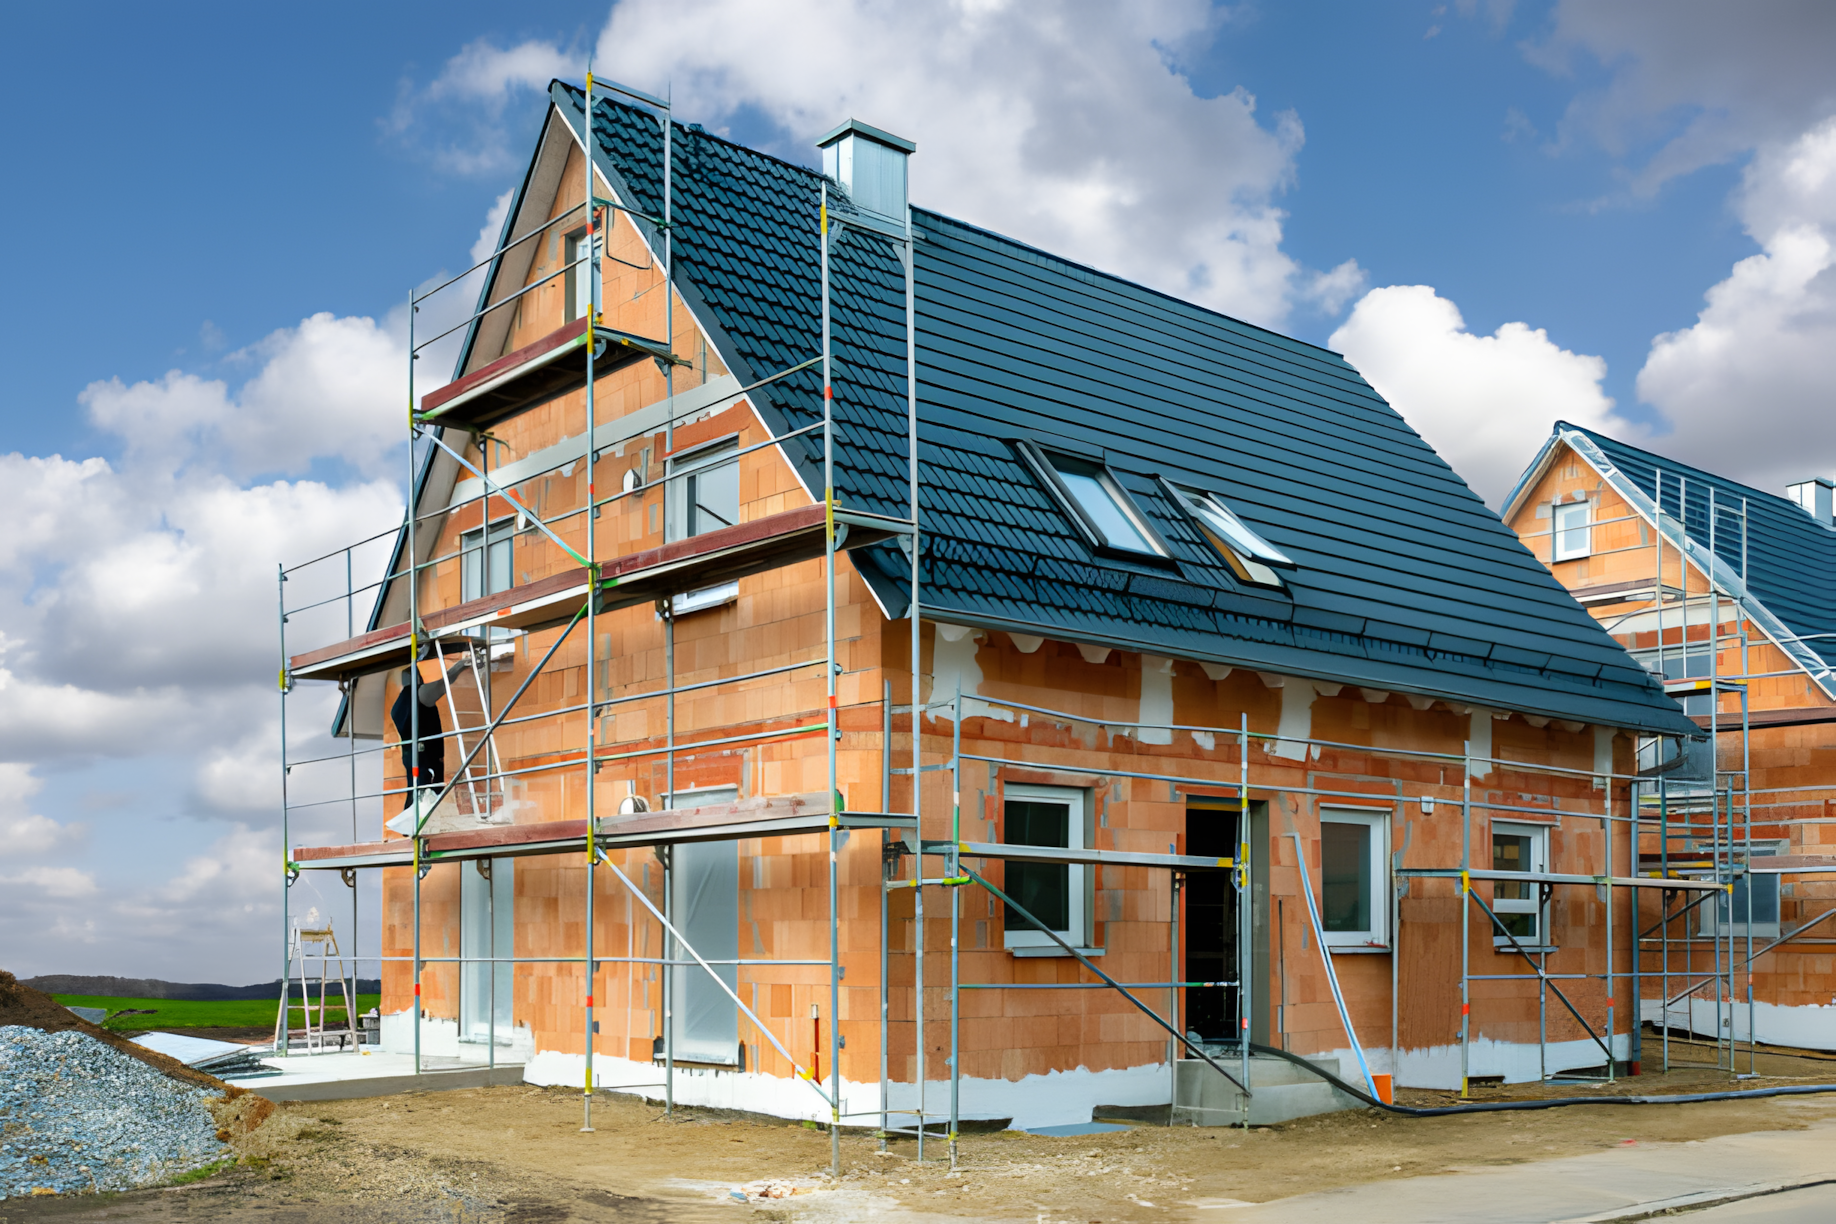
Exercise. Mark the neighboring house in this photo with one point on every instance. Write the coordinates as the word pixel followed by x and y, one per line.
pixel 1145 527
pixel 1722 589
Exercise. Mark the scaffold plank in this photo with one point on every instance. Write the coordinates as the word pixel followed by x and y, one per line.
pixel 1057 854
pixel 1551 877
pixel 777 816
pixel 714 557
pixel 535 374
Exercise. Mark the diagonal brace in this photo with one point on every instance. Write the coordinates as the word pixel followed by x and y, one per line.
pixel 453 782
pixel 1785 938
pixel 1113 984
pixel 1531 961
pixel 684 944
pixel 492 486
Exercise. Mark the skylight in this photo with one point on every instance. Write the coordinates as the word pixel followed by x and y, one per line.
pixel 1100 504
pixel 1250 556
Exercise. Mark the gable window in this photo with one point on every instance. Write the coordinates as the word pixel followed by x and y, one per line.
pixel 1354 877
pixel 703 496
pixel 579 276
pixel 1098 503
pixel 1571 531
pixel 1249 556
pixel 1521 906
pixel 1049 816
pixel 485 570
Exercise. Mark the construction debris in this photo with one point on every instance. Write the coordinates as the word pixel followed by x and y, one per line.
pixel 76 1116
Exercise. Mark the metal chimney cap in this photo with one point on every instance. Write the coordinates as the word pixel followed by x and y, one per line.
pixel 870 132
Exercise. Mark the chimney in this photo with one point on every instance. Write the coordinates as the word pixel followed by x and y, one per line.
pixel 870 166
pixel 1813 497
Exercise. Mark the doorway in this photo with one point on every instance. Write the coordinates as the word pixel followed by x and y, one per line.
pixel 1210 921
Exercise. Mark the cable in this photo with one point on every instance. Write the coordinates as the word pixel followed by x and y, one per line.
pixel 1684 1098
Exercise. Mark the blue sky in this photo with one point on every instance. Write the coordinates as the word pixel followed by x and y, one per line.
pixel 1619 213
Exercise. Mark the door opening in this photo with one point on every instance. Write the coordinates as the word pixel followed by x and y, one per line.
pixel 1210 922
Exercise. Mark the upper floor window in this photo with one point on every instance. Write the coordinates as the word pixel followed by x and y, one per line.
pixel 1098 503
pixel 484 569
pixel 1249 555
pixel 1572 535
pixel 703 490
pixel 579 276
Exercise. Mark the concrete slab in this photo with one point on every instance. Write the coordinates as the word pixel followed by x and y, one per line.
pixel 344 1076
pixel 1624 1184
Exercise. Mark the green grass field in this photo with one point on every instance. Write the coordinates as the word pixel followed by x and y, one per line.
pixel 188 1013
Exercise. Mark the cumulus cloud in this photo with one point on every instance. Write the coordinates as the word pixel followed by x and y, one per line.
pixel 1485 403
pixel 53 883
pixel 1073 127
pixel 1760 348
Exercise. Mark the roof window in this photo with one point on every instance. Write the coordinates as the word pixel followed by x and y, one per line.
pixel 1098 504
pixel 1250 556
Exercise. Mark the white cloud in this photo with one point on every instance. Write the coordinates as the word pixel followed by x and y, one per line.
pixel 1760 349
pixel 57 883
pixel 331 387
pixel 1073 127
pixel 1485 403
pixel 1693 83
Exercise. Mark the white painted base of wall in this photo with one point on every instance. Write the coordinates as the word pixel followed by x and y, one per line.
pixel 1038 1100
pixel 1809 1027
pixel 440 1039
pixel 1517 1062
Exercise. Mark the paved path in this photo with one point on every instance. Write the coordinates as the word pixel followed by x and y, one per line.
pixel 1744 1172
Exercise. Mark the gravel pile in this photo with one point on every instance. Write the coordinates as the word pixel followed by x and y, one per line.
pixel 77 1115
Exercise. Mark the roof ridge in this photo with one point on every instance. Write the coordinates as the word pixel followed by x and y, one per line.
pixel 1688 468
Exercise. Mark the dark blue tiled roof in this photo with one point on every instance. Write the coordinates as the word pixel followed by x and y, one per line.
pixel 1789 558
pixel 1405 580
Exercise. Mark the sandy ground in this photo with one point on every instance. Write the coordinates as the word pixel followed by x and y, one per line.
pixel 517 1154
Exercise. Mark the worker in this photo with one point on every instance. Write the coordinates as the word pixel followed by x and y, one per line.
pixel 433 745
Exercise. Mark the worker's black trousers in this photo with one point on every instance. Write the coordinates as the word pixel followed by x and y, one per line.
pixel 433 769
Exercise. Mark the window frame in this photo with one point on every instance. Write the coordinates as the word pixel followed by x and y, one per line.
pixel 1375 938
pixel 1709 923
pixel 1045 463
pixel 1557 552
pixel 468 551
pixel 575 288
pixel 1538 903
pixel 1077 884
pixel 680 474
pixel 1252 559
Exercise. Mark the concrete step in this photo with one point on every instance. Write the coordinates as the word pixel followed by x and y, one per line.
pixel 1279 1092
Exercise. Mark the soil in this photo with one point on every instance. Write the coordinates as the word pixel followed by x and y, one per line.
pixel 20 1004
pixel 516 1154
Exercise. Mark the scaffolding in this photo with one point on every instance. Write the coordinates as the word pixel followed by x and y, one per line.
pixel 466 639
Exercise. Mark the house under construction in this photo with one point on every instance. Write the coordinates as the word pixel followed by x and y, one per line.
pixel 847 664
pixel 1721 589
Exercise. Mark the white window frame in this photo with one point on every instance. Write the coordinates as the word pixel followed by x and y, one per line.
pixel 1561 549
pixel 472 554
pixel 1377 937
pixel 682 468
pixel 577 281
pixel 1055 466
pixel 1077 934
pixel 1248 554
pixel 1535 903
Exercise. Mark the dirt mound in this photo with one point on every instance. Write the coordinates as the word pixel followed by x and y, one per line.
pixel 20 1004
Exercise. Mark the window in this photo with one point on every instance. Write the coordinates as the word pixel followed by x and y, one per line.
pixel 704 881
pixel 1727 913
pixel 1354 877
pixel 703 496
pixel 1098 503
pixel 1682 662
pixel 1520 904
pixel 579 276
pixel 1052 892
pixel 1248 554
pixel 1571 531
pixel 480 575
